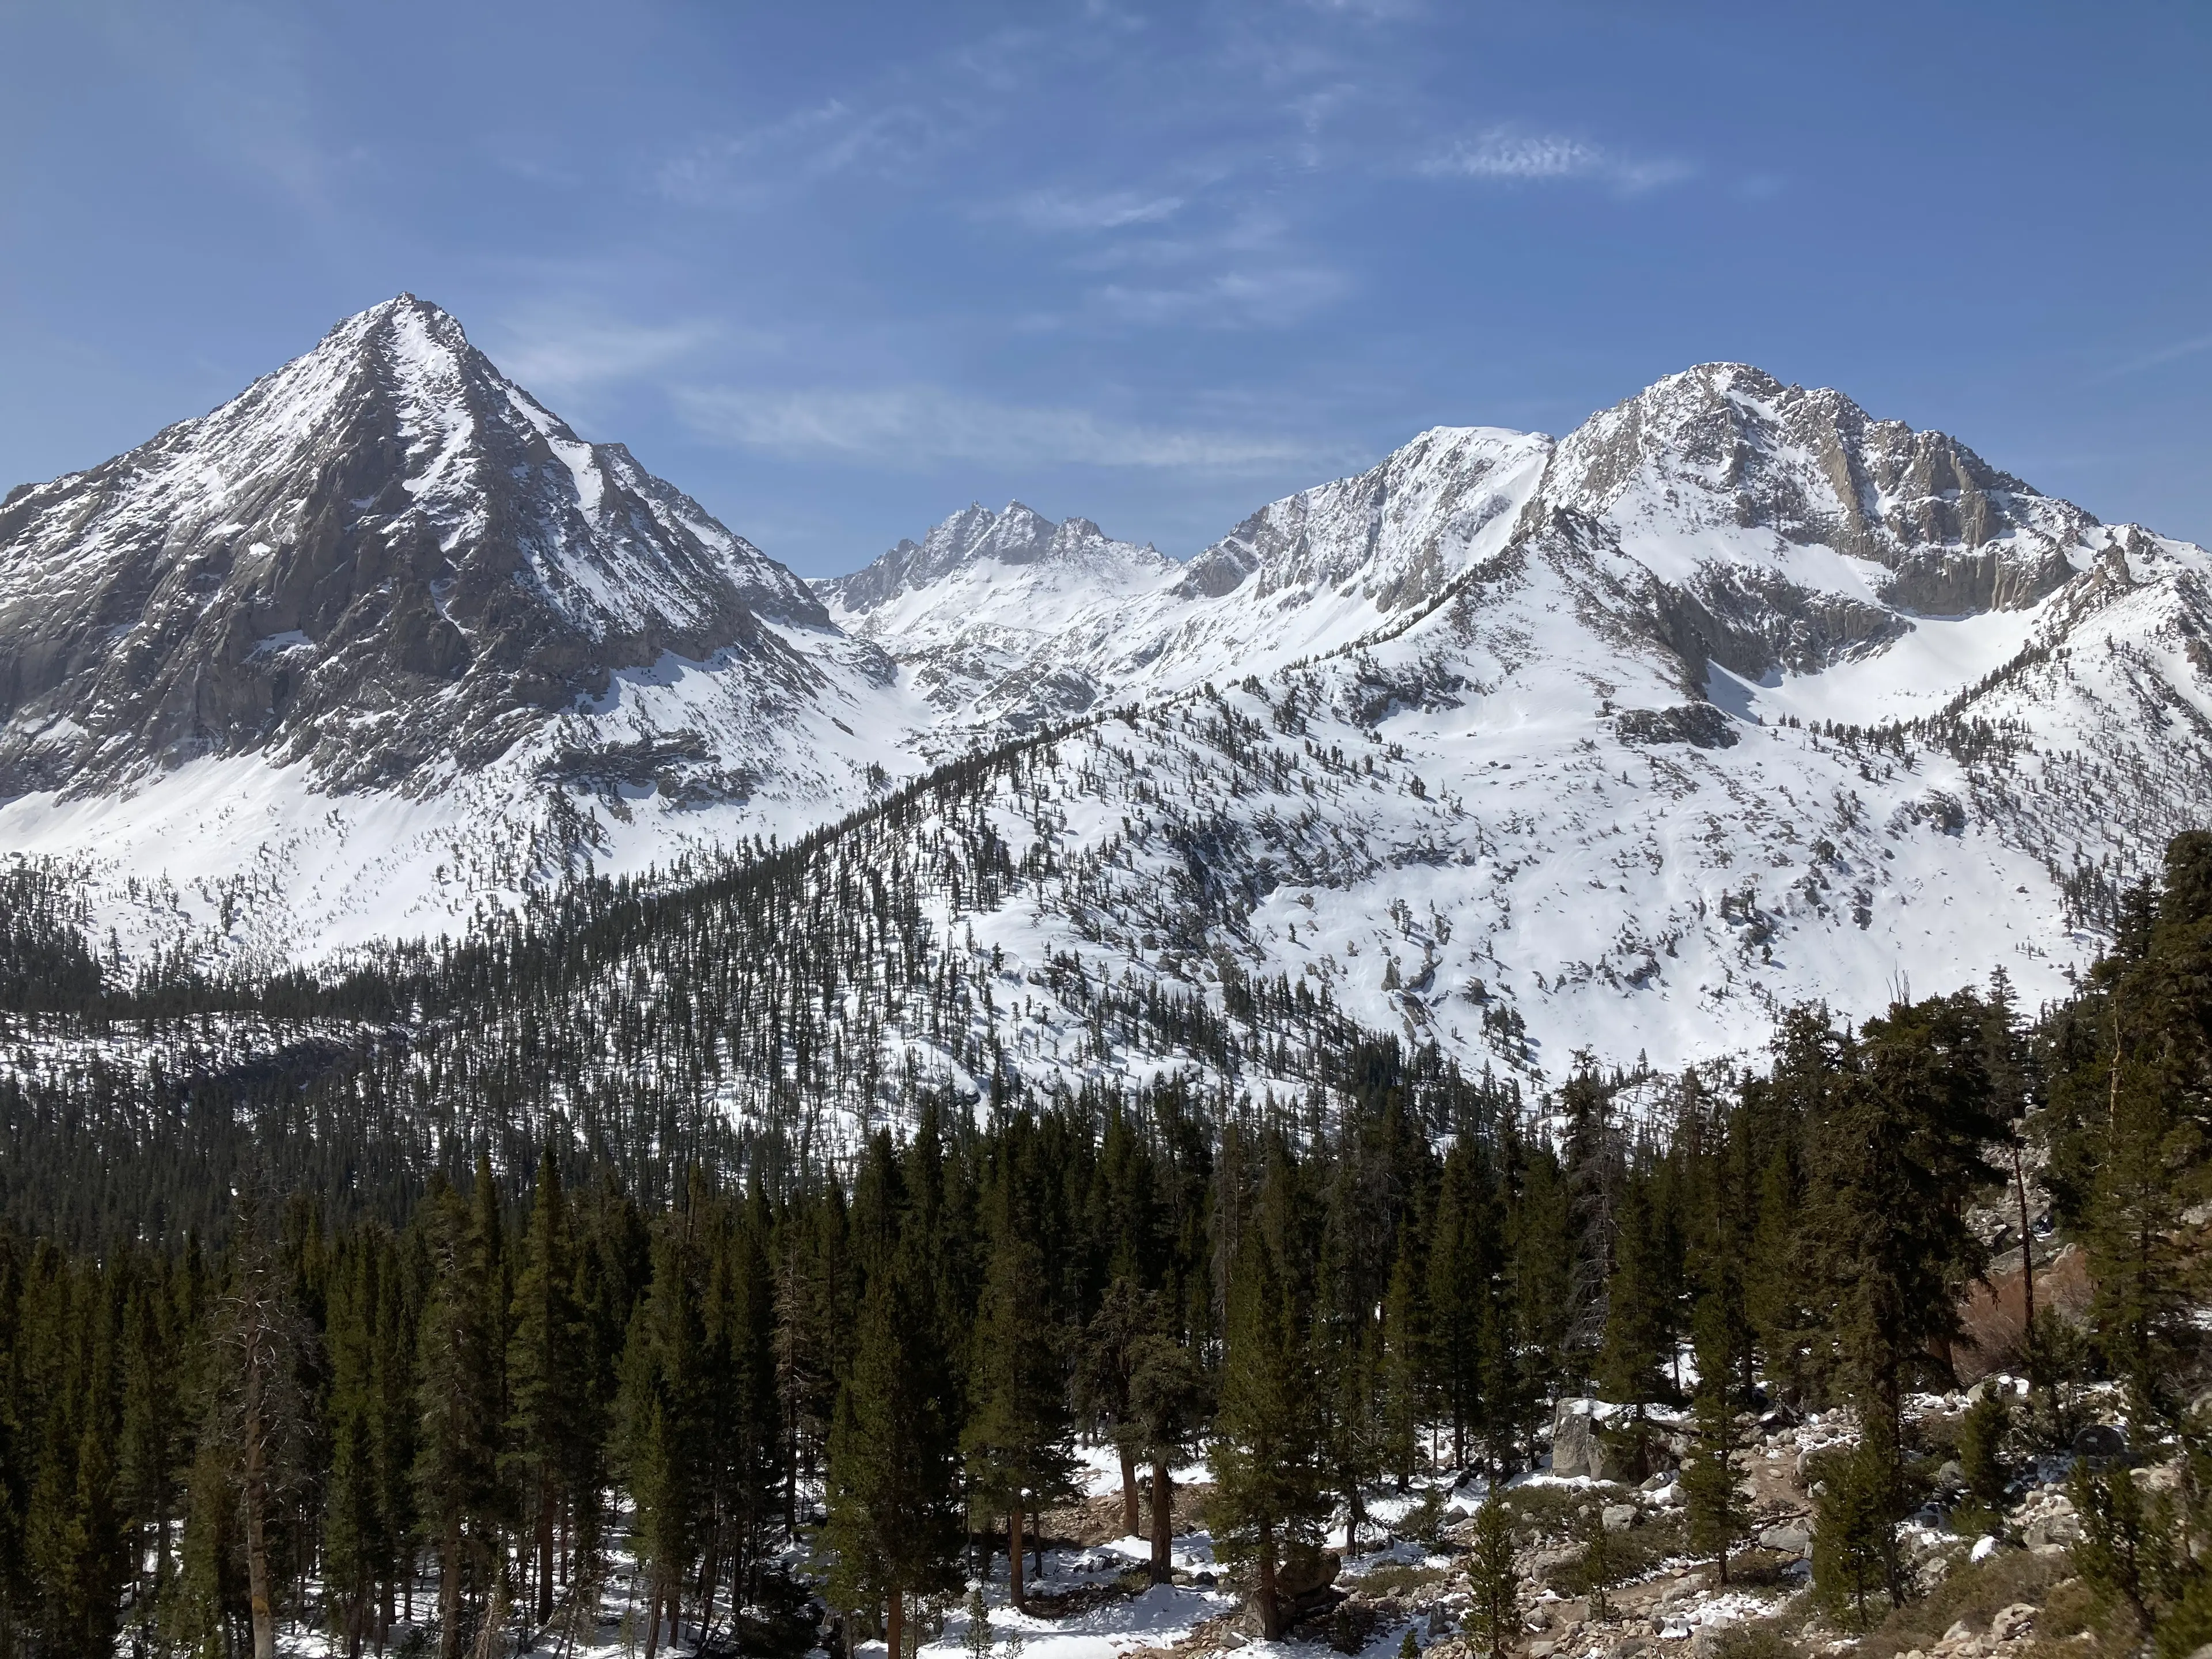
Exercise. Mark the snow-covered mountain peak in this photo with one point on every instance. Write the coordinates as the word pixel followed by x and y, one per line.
pixel 976 545
pixel 1722 464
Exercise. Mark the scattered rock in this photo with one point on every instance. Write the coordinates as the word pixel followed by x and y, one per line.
pixel 1620 1517
pixel 2012 1623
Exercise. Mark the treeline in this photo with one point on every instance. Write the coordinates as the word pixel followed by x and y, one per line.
pixel 455 1420
pixel 454 1415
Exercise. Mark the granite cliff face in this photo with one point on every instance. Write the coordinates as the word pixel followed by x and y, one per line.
pixel 385 560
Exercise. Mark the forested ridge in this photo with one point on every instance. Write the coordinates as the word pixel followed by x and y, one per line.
pixel 412 1302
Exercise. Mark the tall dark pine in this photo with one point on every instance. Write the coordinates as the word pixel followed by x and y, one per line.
pixel 1267 1475
pixel 458 1417
pixel 545 1423
pixel 1895 1154
pixel 1016 1436
pixel 894 1526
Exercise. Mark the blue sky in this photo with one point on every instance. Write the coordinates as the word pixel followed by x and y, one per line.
pixel 840 269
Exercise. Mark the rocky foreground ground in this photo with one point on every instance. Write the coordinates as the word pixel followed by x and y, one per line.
pixel 2005 1587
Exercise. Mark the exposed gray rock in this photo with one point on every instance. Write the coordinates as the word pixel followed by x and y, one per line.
pixel 1697 724
pixel 1786 1540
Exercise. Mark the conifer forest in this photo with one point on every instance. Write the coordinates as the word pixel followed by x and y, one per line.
pixel 428 1306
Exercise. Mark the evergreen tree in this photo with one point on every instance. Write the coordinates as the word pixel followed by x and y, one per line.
pixel 663 1418
pixel 546 1424
pixel 1267 1484
pixel 1492 1583
pixel 1167 1401
pixel 1896 1151
pixel 894 1525
pixel 1712 1490
pixel 1017 1440
pixel 456 1470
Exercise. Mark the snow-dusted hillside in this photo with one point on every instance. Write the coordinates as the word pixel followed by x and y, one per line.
pixel 1563 759
pixel 1732 698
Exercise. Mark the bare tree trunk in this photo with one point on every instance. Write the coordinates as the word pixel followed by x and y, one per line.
pixel 1271 1614
pixel 895 1627
pixel 1013 1555
pixel 258 1589
pixel 2026 1267
pixel 449 1592
pixel 1162 1521
pixel 710 1575
pixel 1128 1493
pixel 652 1612
pixel 545 1503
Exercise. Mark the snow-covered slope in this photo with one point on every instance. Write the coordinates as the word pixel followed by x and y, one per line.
pixel 1733 697
pixel 382 636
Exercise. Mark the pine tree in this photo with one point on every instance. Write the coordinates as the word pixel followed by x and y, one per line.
pixel 894 1525
pixel 261 1415
pixel 1462 1289
pixel 1017 1440
pixel 1406 1364
pixel 1855 1556
pixel 1267 1488
pixel 456 1470
pixel 1167 1400
pixel 1712 1490
pixel 1896 1151
pixel 1492 1583
pixel 1108 1358
pixel 545 1422
pixel 662 1417
pixel 353 1547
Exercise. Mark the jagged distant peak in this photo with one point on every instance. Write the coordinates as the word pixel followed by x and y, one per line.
pixel 1017 535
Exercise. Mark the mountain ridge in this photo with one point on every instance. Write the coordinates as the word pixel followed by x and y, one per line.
pixel 1509 742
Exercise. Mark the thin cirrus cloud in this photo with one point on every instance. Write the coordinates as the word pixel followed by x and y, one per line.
pixel 1057 210
pixel 1508 156
pixel 1251 299
pixel 923 426
pixel 744 169
pixel 2158 359
pixel 560 351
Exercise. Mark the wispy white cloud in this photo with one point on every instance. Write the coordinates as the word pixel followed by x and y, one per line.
pixel 1512 155
pixel 1050 210
pixel 744 169
pixel 2163 356
pixel 923 425
pixel 558 350
pixel 1263 298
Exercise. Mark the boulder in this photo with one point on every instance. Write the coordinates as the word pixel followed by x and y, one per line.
pixel 1620 1517
pixel 1304 1569
pixel 1786 1540
pixel 1574 1439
